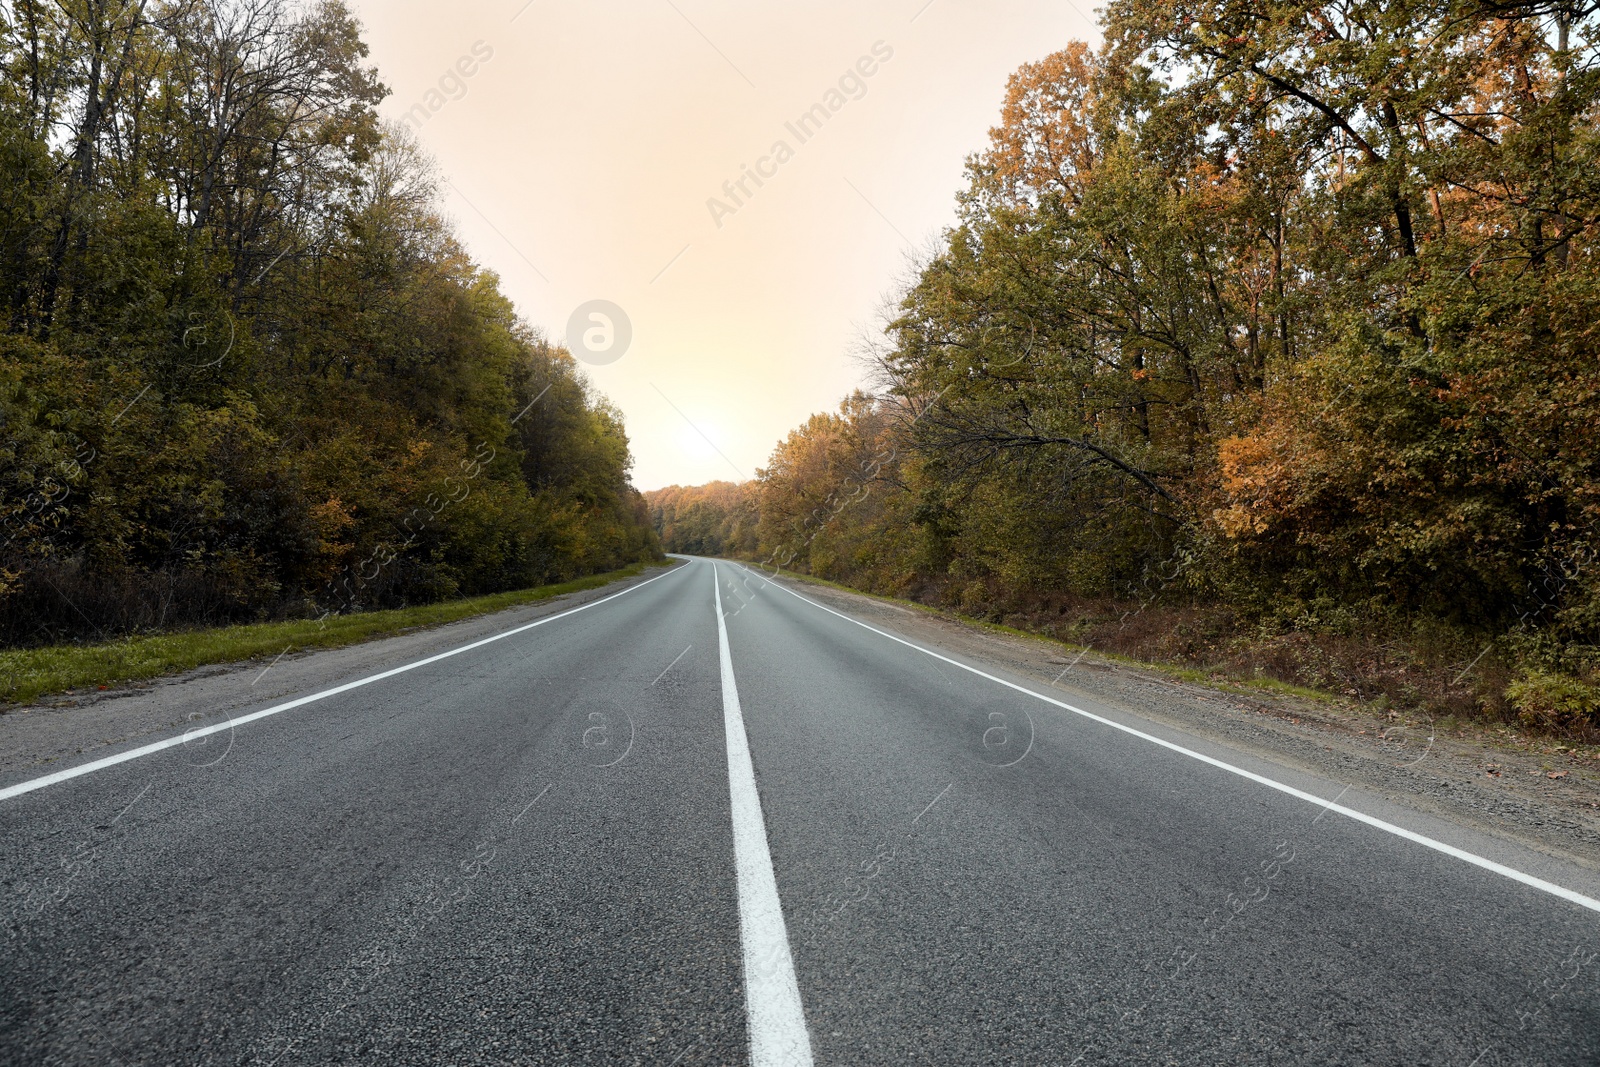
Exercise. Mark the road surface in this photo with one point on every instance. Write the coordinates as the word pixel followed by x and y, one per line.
pixel 643 832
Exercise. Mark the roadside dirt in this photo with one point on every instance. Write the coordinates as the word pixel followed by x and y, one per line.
pixel 1544 794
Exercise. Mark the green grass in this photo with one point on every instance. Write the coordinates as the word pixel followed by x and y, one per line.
pixel 30 673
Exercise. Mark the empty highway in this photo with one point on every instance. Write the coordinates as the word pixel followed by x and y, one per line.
pixel 703 819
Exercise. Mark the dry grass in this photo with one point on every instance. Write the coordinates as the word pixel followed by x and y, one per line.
pixel 1435 670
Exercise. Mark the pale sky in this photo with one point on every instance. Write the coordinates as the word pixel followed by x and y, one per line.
pixel 582 151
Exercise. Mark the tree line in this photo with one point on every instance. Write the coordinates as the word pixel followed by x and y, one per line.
pixel 1276 315
pixel 246 368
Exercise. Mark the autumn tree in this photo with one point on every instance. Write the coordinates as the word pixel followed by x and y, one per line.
pixel 246 368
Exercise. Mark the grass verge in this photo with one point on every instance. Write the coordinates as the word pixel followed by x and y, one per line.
pixel 30 673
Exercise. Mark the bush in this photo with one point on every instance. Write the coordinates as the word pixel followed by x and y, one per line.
pixel 1553 701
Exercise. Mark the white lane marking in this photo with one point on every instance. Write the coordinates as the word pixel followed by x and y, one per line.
pixel 1501 869
pixel 777 1022
pixel 203 731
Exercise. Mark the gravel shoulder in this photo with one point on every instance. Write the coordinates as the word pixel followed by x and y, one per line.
pixel 1533 792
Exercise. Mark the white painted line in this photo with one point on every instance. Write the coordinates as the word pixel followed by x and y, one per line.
pixel 1388 827
pixel 136 753
pixel 778 1036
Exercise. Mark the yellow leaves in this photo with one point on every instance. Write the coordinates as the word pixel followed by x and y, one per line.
pixel 1245 475
pixel 1237 521
pixel 1045 140
pixel 1251 469
pixel 1263 475
pixel 409 472
pixel 331 518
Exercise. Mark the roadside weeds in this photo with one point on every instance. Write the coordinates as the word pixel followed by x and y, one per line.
pixel 27 675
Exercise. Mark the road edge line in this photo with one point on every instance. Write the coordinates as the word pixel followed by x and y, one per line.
pixel 204 731
pixel 1533 882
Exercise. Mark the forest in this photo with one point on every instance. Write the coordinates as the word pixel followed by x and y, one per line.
pixel 247 371
pixel 1264 342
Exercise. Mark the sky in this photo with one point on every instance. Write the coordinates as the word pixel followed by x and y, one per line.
pixel 593 152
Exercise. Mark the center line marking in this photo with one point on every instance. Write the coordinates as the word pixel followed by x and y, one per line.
pixel 777 1022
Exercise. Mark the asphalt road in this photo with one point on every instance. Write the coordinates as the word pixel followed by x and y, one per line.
pixel 641 833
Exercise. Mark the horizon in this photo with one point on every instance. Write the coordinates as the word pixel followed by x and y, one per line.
pixel 749 294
